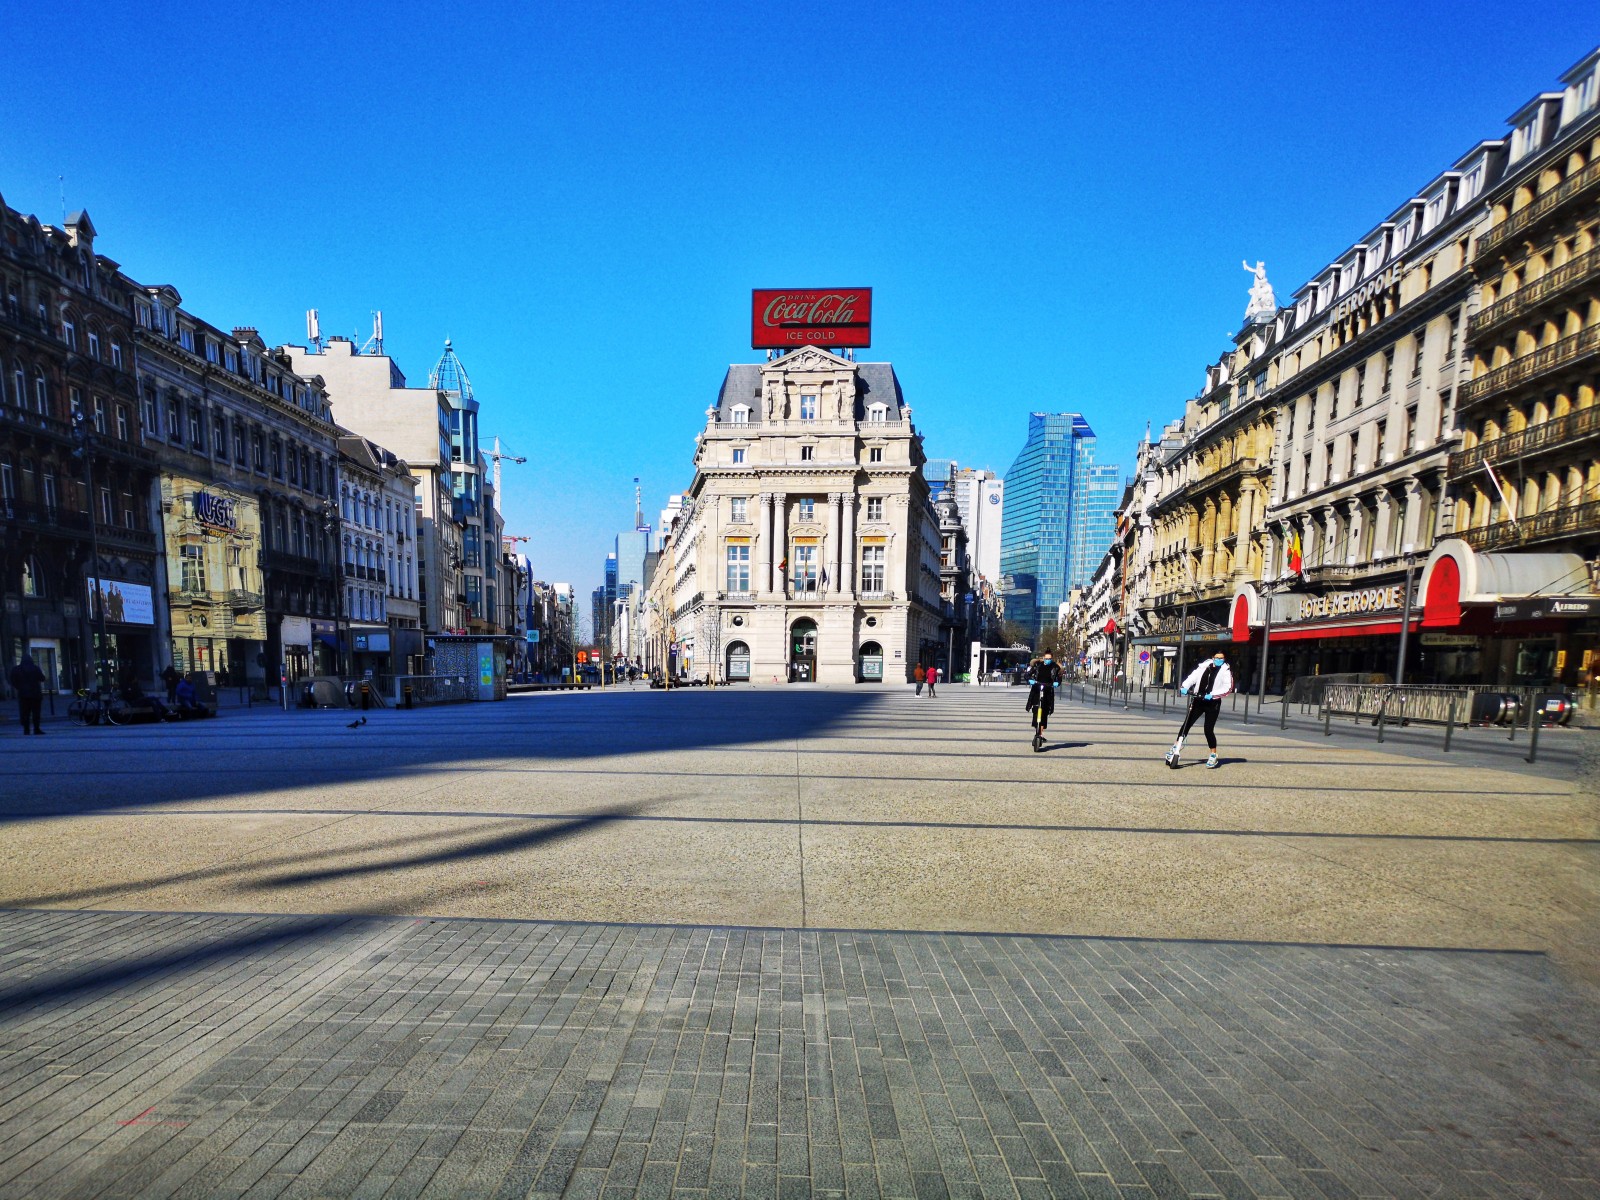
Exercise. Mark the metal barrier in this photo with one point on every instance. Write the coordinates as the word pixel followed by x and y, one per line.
pixel 437 689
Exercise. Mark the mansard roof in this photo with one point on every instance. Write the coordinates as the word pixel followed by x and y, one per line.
pixel 875 382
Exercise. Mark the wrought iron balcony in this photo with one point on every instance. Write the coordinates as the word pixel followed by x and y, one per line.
pixel 278 560
pixel 1531 366
pixel 1538 527
pixel 241 600
pixel 1564 278
pixel 1556 198
pixel 1547 435
pixel 45 516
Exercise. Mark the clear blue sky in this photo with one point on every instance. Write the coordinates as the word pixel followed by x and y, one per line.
pixel 1050 201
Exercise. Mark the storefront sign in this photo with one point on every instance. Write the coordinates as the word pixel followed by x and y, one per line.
pixel 786 318
pixel 1342 604
pixel 1543 607
pixel 215 511
pixel 124 603
pixel 1463 640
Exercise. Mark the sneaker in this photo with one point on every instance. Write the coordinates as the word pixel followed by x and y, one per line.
pixel 1212 761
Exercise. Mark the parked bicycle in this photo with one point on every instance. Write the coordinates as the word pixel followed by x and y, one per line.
pixel 95 707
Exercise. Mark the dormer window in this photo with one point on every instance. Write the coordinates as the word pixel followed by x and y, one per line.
pixel 877 414
pixel 740 414
pixel 186 339
pixel 211 351
pixel 808 407
pixel 231 361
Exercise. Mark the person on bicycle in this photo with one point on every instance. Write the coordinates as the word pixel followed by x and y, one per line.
pixel 1043 677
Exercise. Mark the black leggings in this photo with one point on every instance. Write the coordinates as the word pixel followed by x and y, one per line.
pixel 1209 709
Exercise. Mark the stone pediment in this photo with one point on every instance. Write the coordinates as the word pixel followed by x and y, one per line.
pixel 807 358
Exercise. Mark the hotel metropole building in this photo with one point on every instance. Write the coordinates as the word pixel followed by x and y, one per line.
pixel 806 548
pixel 1526 480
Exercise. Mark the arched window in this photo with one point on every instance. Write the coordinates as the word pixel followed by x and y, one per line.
pixel 738 660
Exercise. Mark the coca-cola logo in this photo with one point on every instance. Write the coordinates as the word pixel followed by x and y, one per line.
pixel 791 317
pixel 830 308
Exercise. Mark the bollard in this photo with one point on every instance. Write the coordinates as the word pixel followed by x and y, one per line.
pixel 1327 722
pixel 366 695
pixel 1283 713
pixel 408 696
pixel 1535 723
pixel 1380 722
pixel 1246 707
pixel 1144 700
pixel 1449 724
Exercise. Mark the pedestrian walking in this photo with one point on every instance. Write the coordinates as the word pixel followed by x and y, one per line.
pixel 170 678
pixel 919 675
pixel 1043 676
pixel 1207 685
pixel 27 680
pixel 933 678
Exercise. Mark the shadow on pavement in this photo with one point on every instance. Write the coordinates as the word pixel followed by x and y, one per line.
pixel 100 770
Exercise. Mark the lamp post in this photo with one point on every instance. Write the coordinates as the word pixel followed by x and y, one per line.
pixel 1405 618
pixel 1183 635
pixel 85 448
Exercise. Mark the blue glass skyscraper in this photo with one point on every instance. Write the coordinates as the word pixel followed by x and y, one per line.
pixel 1059 517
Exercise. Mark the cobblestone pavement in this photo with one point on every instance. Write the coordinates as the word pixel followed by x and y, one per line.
pixel 1352 975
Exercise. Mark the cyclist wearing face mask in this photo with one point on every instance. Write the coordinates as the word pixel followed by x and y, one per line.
pixel 1207 685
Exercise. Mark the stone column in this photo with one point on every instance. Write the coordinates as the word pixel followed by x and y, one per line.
pixel 780 549
pixel 847 544
pixel 763 576
pixel 833 562
pixel 1244 528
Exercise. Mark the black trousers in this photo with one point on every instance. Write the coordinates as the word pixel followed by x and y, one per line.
pixel 1207 709
pixel 30 707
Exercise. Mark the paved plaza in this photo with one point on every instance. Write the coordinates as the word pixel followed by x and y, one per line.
pixel 790 942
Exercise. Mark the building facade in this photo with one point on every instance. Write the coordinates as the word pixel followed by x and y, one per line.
pixel 806 548
pixel 1058 514
pixel 369 396
pixel 1525 481
pixel 248 453
pixel 377 513
pixel 76 475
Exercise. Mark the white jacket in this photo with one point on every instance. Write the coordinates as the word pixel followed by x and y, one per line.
pixel 1220 686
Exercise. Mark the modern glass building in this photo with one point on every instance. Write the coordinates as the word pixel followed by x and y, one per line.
pixel 1059 517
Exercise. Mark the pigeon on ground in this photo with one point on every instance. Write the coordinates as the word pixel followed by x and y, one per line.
pixel 356 724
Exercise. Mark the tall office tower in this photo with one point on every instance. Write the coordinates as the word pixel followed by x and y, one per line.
pixel 1057 507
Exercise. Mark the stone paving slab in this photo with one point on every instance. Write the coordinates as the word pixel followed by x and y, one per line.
pixel 164 1054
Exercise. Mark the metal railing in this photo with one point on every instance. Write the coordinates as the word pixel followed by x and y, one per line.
pixel 1555 522
pixel 1531 366
pixel 1558 431
pixel 1546 204
pixel 1552 283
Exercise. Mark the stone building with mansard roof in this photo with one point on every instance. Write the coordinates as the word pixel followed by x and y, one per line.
pixel 806 548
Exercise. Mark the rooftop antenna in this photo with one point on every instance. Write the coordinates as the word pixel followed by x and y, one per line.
pixel 375 342
pixel 61 182
pixel 313 331
pixel 638 505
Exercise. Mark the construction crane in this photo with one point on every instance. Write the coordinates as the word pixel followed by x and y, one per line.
pixel 498 457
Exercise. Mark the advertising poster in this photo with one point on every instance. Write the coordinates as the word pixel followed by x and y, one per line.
pixel 123 603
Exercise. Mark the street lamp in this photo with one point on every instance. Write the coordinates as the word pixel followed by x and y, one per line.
pixel 85 449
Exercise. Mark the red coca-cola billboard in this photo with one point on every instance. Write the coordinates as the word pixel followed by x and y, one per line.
pixel 785 318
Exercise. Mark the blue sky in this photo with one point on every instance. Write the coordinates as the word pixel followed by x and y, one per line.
pixel 1050 201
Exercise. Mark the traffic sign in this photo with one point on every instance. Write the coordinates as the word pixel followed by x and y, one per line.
pixel 1144 656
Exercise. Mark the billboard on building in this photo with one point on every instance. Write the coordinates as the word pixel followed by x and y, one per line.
pixel 124 603
pixel 214 582
pixel 787 318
